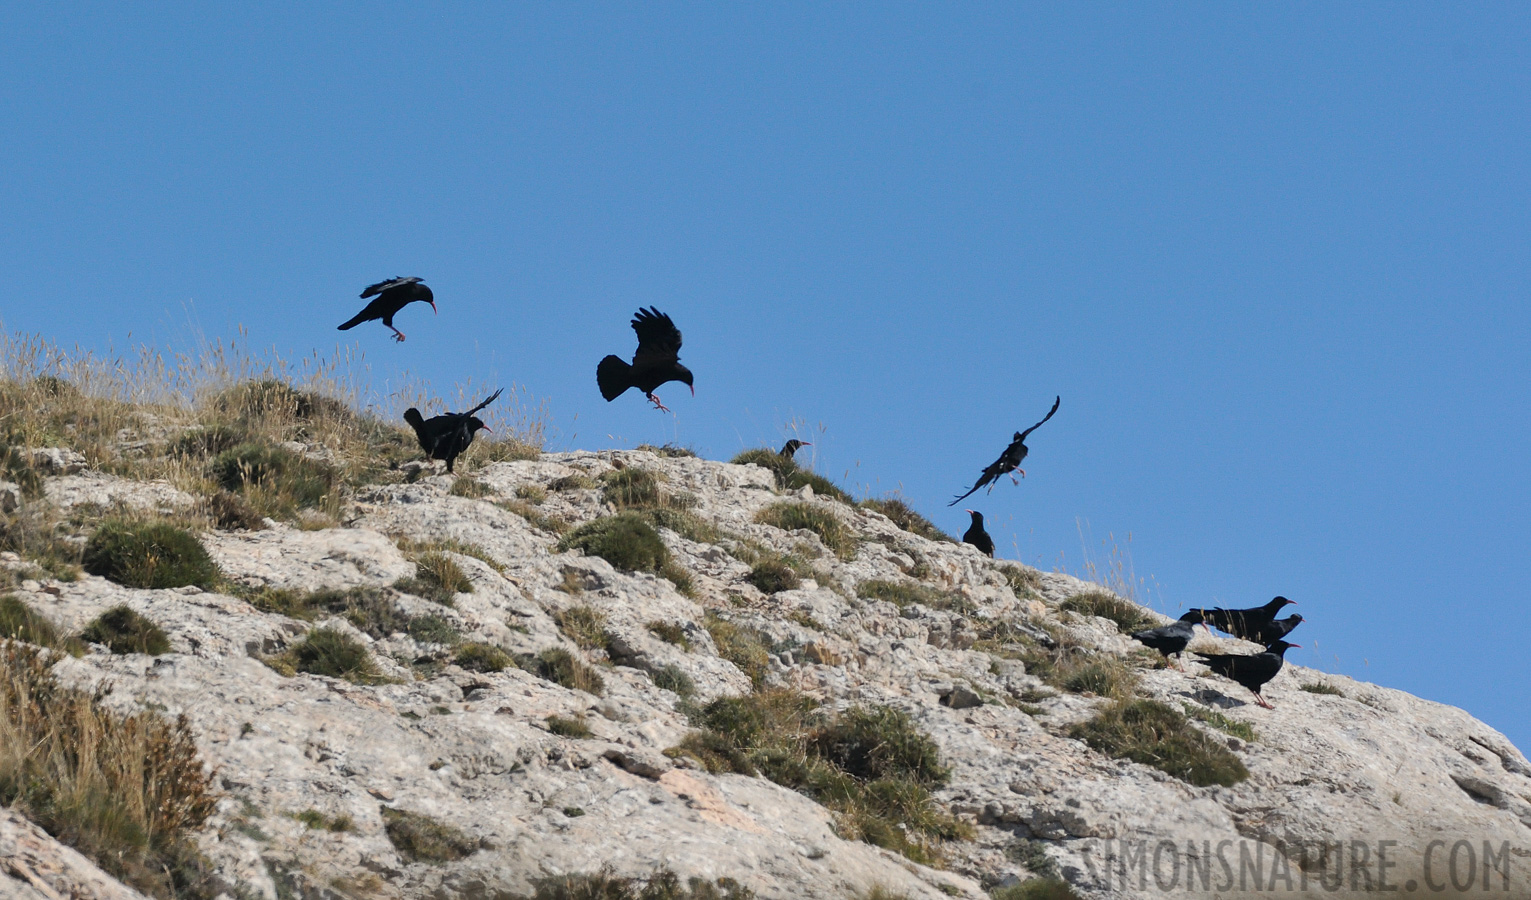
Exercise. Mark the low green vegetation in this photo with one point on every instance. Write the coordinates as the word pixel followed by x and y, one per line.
pixel 1157 735
pixel 662 885
pixel 1023 582
pixel 670 633
pixel 570 727
pixel 669 451
pixel 672 679
pixel 329 652
pixel 1242 730
pixel 1318 687
pixel 584 625
pixel 561 667
pixel 471 488
pixel 773 575
pixel 19 622
pixel 630 488
pixel 121 630
pixel 275 481
pixel 789 475
pixel 527 510
pixel 907 519
pixel 146 554
pixel 1051 888
pixel 318 821
pixel 1128 616
pixel 1070 668
pixel 904 593
pixel 33 533
pixel 534 494
pixel 795 515
pixel 373 611
pixel 869 764
pixel 747 648
pixel 625 540
pixel 575 482
pixel 130 792
pixel 437 578
pixel 420 838
pixel 477 657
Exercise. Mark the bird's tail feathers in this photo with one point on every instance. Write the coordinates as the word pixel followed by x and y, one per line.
pixel 614 376
pixel 355 321
pixel 412 415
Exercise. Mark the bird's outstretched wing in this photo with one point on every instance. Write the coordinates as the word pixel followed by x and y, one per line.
pixel 492 397
pixel 1056 400
pixel 658 338
pixel 396 281
pixel 988 477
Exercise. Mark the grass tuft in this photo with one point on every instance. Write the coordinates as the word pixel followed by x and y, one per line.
pixel 795 515
pixel 1221 722
pixel 670 633
pixel 773 575
pixel 789 475
pixel 122 630
pixel 331 653
pixel 1128 616
pixel 1071 669
pixel 1157 735
pixel 570 727
pixel 576 482
pixel 276 481
pixel 477 657
pixel 1050 888
pixel 907 519
pixel 630 488
pixel 747 648
pixel 662 885
pixel 148 555
pixel 561 667
pixel 19 622
pixel 420 838
pixel 584 625
pixel 438 578
pixel 625 540
pixel 1318 687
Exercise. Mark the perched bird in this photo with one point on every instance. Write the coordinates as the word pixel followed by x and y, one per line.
pixel 1251 671
pixel 976 536
pixel 447 436
pixel 392 296
pixel 1250 623
pixel 1010 460
pixel 657 360
pixel 791 446
pixel 1172 638
pixel 1274 630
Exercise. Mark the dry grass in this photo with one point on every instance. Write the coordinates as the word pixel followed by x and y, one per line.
pixel 584 625
pixel 420 838
pixel 1071 668
pixel 906 518
pixel 570 727
pixel 793 515
pixel 1128 616
pixel 437 578
pixel 789 475
pixel 747 648
pixel 19 622
pixel 1157 735
pixel 127 791
pixel 561 667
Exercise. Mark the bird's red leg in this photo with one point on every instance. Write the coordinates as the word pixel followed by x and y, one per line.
pixel 397 334
pixel 1263 702
pixel 654 398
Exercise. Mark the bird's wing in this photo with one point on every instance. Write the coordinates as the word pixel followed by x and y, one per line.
pixel 492 397
pixel 1056 400
pixel 658 338
pixel 375 289
pixel 983 480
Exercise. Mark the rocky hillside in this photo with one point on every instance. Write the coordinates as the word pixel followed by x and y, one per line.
pixel 447 689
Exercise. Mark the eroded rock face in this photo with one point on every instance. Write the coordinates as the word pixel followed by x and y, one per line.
pixel 474 749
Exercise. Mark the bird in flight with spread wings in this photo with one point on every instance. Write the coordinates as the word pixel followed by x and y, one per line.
pixel 656 362
pixel 392 295
pixel 1010 460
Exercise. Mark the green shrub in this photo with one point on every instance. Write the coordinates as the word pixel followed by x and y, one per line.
pixel 1023 582
pixel 625 540
pixel 332 653
pixel 420 838
pixel 1051 888
pixel 209 441
pixel 476 657
pixel 570 727
pixel 672 679
pixel 576 482
pixel 908 519
pixel 275 480
pixel 662 885
pixel 630 488
pixel 794 515
pixel 1221 722
pixel 1071 669
pixel 122 630
pixel 773 575
pixel 584 625
pixel 560 667
pixel 463 486
pixel 19 622
pixel 747 648
pixel 1128 616
pixel 1318 687
pixel 438 578
pixel 148 555
pixel 1157 735
pixel 874 742
pixel 670 633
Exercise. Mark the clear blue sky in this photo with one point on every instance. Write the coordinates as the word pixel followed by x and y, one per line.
pixel 1273 257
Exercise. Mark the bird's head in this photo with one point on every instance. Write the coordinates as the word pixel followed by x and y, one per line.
pixel 475 423
pixel 977 516
pixel 1279 647
pixel 683 374
pixel 428 297
pixel 1016 438
pixel 1279 602
pixel 1295 619
pixel 1195 617
pixel 413 417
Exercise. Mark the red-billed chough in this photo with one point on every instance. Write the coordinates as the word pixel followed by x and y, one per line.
pixel 392 296
pixel 1247 623
pixel 1172 638
pixel 1010 460
pixel 446 436
pixel 976 536
pixel 1274 630
pixel 656 362
pixel 791 446
pixel 1251 671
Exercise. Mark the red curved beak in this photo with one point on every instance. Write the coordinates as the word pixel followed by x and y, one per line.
pixel 806 443
pixel 433 308
pixel 693 389
pixel 488 429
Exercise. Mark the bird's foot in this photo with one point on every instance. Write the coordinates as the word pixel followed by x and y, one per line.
pixel 1263 702
pixel 654 398
pixel 398 335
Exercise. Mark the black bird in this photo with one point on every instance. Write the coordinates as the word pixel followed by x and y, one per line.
pixel 446 436
pixel 1172 638
pixel 976 536
pixel 1010 460
pixel 1251 671
pixel 657 360
pixel 392 296
pixel 1247 623
pixel 1275 630
pixel 791 446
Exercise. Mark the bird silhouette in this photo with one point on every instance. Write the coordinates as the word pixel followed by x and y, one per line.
pixel 656 361
pixel 1253 672
pixel 1010 460
pixel 1274 630
pixel 446 436
pixel 1248 624
pixel 791 446
pixel 976 536
pixel 1172 638
pixel 392 296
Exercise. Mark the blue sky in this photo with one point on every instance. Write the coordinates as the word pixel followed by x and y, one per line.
pixel 1274 258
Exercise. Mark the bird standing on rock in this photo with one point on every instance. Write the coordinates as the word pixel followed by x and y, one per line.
pixel 447 436
pixel 1251 671
pixel 1248 624
pixel 791 447
pixel 1172 638
pixel 656 362
pixel 976 536
pixel 392 296
pixel 1010 460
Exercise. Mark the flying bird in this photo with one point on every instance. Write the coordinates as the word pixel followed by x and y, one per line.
pixel 791 446
pixel 391 296
pixel 656 362
pixel 1010 460
pixel 1247 624
pixel 1251 671
pixel 1172 638
pixel 447 436
pixel 976 536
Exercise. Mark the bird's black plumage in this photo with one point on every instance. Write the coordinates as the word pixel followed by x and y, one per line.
pixel 1253 672
pixel 1274 630
pixel 1246 623
pixel 1172 638
pixel 656 362
pixel 446 436
pixel 1010 460
pixel 391 296
pixel 976 536
pixel 791 447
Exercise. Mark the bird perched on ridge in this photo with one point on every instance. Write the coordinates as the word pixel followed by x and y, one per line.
pixel 391 296
pixel 1274 630
pixel 976 536
pixel 656 362
pixel 1253 672
pixel 791 447
pixel 1172 638
pixel 1010 460
pixel 446 436
pixel 1247 624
